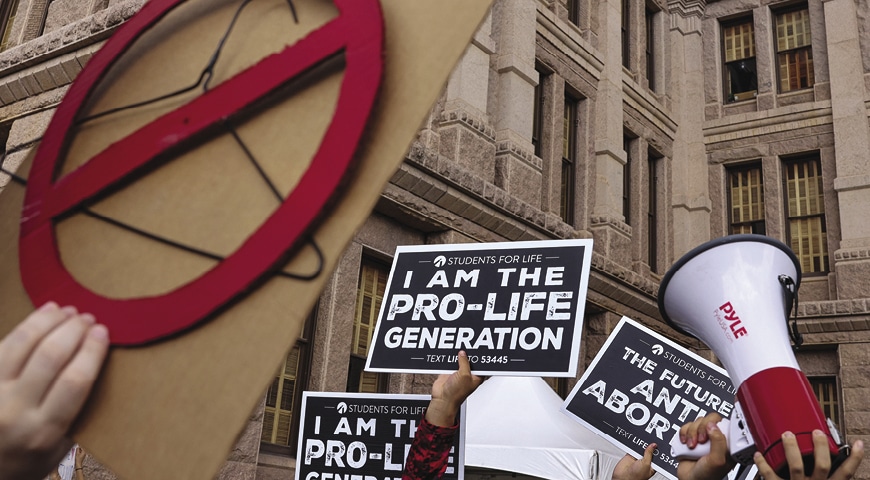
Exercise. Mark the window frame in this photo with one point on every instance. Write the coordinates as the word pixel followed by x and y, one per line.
pixel 833 382
pixel 808 49
pixel 786 162
pixel 654 165
pixel 751 224
pixel 728 96
pixel 628 143
pixel 573 8
pixel 649 21
pixel 356 362
pixel 8 14
pixel 538 111
pixel 570 131
pixel 626 34
pixel 305 344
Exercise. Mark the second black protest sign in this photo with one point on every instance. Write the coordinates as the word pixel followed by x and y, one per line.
pixel 641 388
pixel 363 436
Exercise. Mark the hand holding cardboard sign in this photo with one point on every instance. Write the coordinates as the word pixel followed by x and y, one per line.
pixel 630 468
pixel 48 365
pixel 822 459
pixel 712 466
pixel 449 391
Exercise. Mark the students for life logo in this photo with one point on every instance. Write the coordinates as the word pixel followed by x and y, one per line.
pixel 440 260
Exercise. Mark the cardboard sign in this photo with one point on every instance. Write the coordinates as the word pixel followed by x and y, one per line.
pixel 641 388
pixel 516 308
pixel 184 399
pixel 364 436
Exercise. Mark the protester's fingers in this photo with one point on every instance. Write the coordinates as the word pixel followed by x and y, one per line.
pixel 646 461
pixel 793 456
pixel 822 455
pixel 648 454
pixel 848 468
pixel 704 422
pixel 18 345
pixel 51 356
pixel 695 432
pixel 464 364
pixel 764 469
pixel 689 433
pixel 72 387
pixel 718 445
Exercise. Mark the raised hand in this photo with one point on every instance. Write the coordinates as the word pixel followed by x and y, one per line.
pixel 449 391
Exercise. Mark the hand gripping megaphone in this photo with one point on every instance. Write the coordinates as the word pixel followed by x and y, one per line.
pixel 734 294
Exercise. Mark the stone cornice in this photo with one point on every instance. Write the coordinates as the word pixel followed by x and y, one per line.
pixel 87 31
pixel 55 59
pixel 507 147
pixel 853 254
pixel 597 221
pixel 750 125
pixel 649 107
pixel 688 8
pixel 471 121
pixel 570 42
pixel 686 15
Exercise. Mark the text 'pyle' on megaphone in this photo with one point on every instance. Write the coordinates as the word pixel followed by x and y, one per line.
pixel 734 294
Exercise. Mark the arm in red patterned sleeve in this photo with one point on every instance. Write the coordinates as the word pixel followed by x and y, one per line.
pixel 427 458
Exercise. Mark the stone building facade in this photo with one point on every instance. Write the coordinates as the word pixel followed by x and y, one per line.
pixel 651 126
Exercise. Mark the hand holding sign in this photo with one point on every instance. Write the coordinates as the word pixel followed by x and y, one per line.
pixel 47 367
pixel 714 465
pixel 629 468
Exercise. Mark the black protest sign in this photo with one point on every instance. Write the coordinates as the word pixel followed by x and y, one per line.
pixel 516 308
pixel 641 388
pixel 358 436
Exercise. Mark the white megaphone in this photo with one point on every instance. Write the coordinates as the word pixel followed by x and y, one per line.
pixel 734 294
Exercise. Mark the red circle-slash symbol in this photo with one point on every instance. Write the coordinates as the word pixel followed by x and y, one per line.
pixel 357 31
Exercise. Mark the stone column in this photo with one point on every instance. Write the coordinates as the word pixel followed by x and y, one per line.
pixel 466 135
pixel 609 156
pixel 851 143
pixel 689 183
pixel 517 169
pixel 854 368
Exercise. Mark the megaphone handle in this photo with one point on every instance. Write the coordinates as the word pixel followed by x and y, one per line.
pixel 681 451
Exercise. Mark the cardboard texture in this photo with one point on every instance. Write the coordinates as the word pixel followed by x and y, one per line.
pixel 173 409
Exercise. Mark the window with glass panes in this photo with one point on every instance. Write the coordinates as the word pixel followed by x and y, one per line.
pixel 738 41
pixel 626 33
pixel 794 52
pixel 569 160
pixel 825 389
pixel 653 161
pixel 369 295
pixel 627 142
pixel 8 11
pixel 280 422
pixel 573 11
pixel 805 213
pixel 746 200
pixel 650 48
pixel 538 111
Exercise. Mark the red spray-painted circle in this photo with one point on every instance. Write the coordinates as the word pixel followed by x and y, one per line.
pixel 357 31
